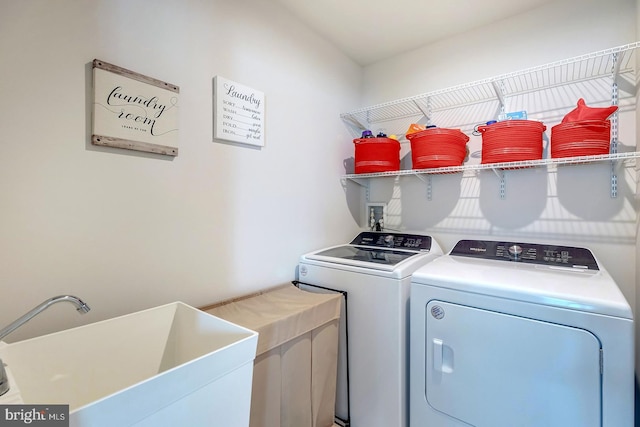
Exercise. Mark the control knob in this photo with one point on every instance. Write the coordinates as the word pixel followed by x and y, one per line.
pixel 389 241
pixel 515 251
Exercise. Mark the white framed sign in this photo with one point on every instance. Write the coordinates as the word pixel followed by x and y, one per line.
pixel 133 111
pixel 238 113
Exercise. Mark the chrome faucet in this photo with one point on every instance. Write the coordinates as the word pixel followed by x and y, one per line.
pixel 81 307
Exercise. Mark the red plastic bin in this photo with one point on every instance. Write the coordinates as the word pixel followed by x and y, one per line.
pixel 512 141
pixel 581 138
pixel 376 155
pixel 437 147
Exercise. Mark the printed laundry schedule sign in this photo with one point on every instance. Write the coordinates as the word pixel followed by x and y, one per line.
pixel 239 113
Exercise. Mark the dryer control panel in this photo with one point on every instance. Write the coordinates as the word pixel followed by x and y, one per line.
pixel 566 256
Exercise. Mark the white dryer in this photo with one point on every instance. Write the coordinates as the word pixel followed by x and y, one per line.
pixel 374 273
pixel 516 334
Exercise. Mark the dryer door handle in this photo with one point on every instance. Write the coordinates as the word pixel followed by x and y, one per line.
pixel 442 356
pixel 437 354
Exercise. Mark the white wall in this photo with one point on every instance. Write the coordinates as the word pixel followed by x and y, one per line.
pixel 570 206
pixel 127 231
pixel 550 33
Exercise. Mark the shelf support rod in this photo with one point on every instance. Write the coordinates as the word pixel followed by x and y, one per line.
pixel 615 69
pixel 498 87
pixel 429 183
pixel 500 174
pixel 425 111
pixel 363 183
pixel 354 123
pixel 614 182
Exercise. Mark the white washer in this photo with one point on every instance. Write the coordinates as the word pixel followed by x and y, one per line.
pixel 514 334
pixel 374 271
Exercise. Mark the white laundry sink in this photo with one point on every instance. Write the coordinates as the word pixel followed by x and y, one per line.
pixel 166 366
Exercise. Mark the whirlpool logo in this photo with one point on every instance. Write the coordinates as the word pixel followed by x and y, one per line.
pixel 34 415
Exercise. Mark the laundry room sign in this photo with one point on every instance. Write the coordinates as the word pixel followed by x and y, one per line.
pixel 133 111
pixel 238 113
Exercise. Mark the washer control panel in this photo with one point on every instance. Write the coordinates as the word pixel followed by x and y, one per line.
pixel 565 256
pixel 415 242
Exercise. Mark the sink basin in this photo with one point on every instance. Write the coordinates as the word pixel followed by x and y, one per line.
pixel 166 366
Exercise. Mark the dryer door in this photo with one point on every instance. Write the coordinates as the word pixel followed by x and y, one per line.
pixel 490 369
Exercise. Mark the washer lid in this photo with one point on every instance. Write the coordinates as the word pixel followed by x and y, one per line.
pixel 377 250
pixel 551 284
pixel 380 258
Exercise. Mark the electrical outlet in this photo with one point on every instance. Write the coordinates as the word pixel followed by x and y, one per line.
pixel 376 216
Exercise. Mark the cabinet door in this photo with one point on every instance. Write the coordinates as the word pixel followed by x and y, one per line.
pixel 491 369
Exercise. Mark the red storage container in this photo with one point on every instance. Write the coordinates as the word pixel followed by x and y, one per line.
pixel 376 155
pixel 512 141
pixel 581 138
pixel 437 147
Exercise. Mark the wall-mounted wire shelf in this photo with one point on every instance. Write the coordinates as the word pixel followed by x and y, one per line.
pixel 598 70
pixel 607 76
pixel 499 168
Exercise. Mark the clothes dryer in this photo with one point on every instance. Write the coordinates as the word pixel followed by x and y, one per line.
pixel 510 334
pixel 373 271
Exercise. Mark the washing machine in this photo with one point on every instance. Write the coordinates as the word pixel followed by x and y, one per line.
pixel 508 334
pixel 373 272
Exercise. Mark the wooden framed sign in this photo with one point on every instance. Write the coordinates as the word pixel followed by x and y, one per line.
pixel 133 111
pixel 238 113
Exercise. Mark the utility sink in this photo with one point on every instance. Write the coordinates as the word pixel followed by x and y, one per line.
pixel 166 366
